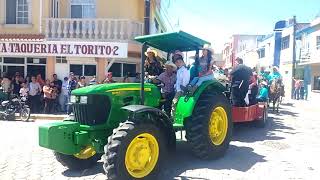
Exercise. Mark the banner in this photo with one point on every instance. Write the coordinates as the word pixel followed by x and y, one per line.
pixel 60 48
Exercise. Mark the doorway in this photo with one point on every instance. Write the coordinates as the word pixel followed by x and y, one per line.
pixel 34 70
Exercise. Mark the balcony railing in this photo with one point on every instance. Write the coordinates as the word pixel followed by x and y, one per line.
pixel 105 29
pixel 310 54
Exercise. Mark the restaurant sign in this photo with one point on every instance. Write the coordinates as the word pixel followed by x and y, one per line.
pixel 60 48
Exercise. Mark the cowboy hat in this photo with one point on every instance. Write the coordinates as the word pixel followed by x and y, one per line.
pixel 151 50
pixel 177 52
pixel 169 63
pixel 264 83
pixel 208 47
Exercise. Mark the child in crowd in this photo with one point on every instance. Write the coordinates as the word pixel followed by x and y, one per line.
pixel 24 90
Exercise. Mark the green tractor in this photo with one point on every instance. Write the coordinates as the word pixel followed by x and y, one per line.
pixel 122 122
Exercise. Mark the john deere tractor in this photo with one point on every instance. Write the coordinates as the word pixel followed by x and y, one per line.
pixel 123 122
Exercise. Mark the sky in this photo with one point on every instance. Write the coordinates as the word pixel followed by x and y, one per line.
pixel 217 20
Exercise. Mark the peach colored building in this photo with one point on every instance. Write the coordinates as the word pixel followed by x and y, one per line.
pixel 79 25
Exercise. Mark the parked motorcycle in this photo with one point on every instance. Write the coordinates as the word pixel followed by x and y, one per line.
pixel 15 105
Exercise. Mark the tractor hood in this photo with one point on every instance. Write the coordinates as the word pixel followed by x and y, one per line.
pixel 112 87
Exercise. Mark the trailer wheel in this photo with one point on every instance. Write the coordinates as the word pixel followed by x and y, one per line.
pixel 261 123
pixel 85 159
pixel 134 151
pixel 209 130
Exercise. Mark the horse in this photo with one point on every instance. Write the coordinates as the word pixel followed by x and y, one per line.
pixel 275 93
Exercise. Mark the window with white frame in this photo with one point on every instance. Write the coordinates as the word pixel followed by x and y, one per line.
pixel 318 42
pixel 83 8
pixel 17 11
pixel 61 59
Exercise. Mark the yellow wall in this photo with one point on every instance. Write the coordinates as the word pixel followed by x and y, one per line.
pixel 122 9
pixel 50 67
pixel 32 28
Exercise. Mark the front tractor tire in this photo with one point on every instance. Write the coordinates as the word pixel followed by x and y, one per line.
pixel 134 151
pixel 87 158
pixel 209 130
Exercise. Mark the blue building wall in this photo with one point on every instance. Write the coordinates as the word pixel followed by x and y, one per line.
pixel 277 48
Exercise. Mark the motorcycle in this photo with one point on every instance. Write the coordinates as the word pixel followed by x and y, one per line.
pixel 15 105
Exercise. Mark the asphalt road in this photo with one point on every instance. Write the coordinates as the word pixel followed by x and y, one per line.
pixel 287 148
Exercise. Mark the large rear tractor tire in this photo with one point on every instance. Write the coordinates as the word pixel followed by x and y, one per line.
pixel 85 159
pixel 209 130
pixel 134 151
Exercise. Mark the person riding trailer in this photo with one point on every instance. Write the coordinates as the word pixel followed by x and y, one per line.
pixel 263 93
pixel 240 76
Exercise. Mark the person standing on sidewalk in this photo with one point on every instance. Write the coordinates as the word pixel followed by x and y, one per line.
pixel 49 96
pixel 72 84
pixel 64 95
pixel 34 95
pixel 297 86
pixel 16 85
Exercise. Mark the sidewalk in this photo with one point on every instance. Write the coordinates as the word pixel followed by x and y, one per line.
pixel 45 117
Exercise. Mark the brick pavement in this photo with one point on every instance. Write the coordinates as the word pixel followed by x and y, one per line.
pixel 286 149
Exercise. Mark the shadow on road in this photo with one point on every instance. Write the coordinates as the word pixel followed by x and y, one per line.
pixel 238 158
pixel 87 172
pixel 247 132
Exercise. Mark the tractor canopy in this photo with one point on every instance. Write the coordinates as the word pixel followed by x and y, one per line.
pixel 172 41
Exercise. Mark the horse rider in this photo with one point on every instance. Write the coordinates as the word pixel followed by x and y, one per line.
pixel 240 76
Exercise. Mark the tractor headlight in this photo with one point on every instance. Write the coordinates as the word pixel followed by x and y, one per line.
pixel 83 99
pixel 73 99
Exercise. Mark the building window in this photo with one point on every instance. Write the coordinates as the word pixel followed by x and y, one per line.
pixel 285 43
pixel 318 42
pixel 129 69
pixel 54 8
pixel 262 53
pixel 61 59
pixel 17 11
pixel 83 8
pixel 116 69
pixel 156 24
pixel 83 69
pixel 122 69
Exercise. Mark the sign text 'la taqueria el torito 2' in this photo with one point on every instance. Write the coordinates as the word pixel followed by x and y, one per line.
pixel 55 48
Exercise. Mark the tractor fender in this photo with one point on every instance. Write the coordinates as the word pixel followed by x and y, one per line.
pixel 212 85
pixel 186 104
pixel 160 118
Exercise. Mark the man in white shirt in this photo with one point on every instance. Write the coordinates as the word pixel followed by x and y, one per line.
pixel 183 78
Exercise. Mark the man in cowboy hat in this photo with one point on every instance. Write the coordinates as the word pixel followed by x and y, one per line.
pixel 240 76
pixel 152 64
pixel 168 78
pixel 177 55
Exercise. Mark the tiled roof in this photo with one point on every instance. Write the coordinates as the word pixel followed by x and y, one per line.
pixel 21 37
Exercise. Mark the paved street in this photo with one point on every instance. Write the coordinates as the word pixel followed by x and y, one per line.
pixel 286 149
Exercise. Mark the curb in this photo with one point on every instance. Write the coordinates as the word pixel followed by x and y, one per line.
pixel 45 117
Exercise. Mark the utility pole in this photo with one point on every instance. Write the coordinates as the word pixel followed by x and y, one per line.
pixel 293 56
